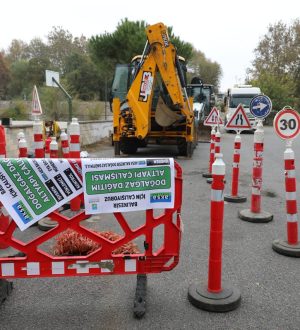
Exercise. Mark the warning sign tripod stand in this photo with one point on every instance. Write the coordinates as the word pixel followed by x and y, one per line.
pixel 34 261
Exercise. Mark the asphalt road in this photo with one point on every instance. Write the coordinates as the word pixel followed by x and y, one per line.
pixel 269 283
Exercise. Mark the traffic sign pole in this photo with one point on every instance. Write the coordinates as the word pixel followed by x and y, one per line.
pixel 255 214
pixel 287 126
pixel 234 197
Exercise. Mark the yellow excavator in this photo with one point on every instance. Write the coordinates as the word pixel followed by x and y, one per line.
pixel 149 98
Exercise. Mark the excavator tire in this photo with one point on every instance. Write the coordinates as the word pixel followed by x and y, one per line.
pixel 129 146
pixel 117 148
pixel 185 148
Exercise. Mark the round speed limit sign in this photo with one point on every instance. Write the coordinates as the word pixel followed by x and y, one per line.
pixel 287 123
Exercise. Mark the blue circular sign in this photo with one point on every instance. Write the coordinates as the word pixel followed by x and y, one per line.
pixel 260 106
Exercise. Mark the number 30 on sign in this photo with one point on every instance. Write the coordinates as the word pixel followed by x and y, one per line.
pixel 287 123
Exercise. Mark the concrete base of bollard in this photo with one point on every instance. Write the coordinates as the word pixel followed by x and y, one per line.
pixel 46 224
pixel 5 289
pixel 235 199
pixel 286 249
pixel 225 301
pixel 207 175
pixel 261 217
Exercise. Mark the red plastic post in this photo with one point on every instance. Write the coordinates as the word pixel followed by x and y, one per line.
pixel 39 151
pixel 216 226
pixel 291 198
pixel 22 145
pixel 236 166
pixel 2 142
pixel 212 148
pixel 217 142
pixel 257 169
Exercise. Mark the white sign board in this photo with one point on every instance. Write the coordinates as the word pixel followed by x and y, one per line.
pixel 213 119
pixel 30 189
pixel 131 184
pixel 239 120
pixel 287 123
pixel 49 76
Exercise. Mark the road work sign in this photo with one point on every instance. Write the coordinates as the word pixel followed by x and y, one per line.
pixel 36 104
pixel 239 120
pixel 30 189
pixel 213 119
pixel 131 184
pixel 287 123
pixel 260 106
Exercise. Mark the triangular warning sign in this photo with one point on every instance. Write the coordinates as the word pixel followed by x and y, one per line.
pixel 239 120
pixel 213 118
pixel 36 104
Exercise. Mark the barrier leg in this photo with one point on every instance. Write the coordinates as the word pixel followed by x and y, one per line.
pixel 234 197
pixel 255 214
pixel 215 297
pixel 291 246
pixel 211 153
pixel 139 308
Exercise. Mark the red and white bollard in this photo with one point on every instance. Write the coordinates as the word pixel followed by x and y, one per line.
pixel 234 197
pixel 290 246
pixel 53 148
pixel 215 297
pixel 64 145
pixel 211 152
pixel 47 147
pixel 2 142
pixel 39 151
pixel 74 132
pixel 255 214
pixel 22 145
pixel 217 149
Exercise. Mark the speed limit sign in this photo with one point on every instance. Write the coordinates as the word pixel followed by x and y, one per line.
pixel 287 123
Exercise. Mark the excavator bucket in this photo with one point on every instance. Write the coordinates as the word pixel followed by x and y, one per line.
pixel 164 116
pixel 203 133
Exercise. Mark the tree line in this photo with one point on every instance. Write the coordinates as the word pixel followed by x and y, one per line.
pixel 86 66
pixel 276 67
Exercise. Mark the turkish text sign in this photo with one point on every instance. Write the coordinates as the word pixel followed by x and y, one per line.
pixel 30 189
pixel 134 184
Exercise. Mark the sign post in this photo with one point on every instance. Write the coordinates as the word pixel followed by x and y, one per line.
pixel 287 127
pixel 238 122
pixel 260 107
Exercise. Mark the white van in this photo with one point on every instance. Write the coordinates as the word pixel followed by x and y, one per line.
pixel 240 94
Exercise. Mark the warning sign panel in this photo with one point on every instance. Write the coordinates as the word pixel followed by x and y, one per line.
pixel 36 104
pixel 118 185
pixel 239 120
pixel 213 119
pixel 30 189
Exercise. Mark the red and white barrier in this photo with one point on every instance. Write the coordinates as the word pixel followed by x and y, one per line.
pixel 234 197
pixel 4 223
pixel 255 214
pixel 53 148
pixel 22 145
pixel 215 297
pixel 65 144
pixel 218 142
pixel 39 151
pixel 74 132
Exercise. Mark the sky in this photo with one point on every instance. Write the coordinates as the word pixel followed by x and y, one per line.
pixel 226 31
